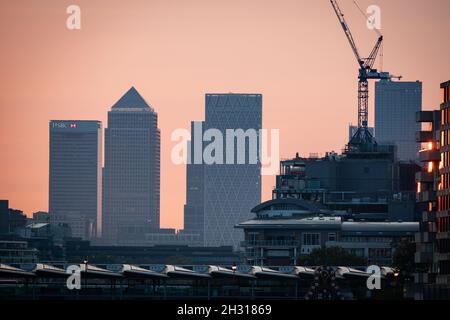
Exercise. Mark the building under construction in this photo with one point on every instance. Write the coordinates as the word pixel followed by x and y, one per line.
pixel 359 184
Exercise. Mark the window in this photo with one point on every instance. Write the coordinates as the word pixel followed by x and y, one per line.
pixel 311 239
pixel 332 236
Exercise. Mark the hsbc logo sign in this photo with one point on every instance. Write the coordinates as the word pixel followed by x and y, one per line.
pixel 64 125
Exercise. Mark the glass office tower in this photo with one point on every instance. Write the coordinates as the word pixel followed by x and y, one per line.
pixel 75 176
pixel 131 193
pixel 194 207
pixel 219 196
pixel 396 104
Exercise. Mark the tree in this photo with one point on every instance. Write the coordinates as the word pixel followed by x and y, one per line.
pixel 331 256
pixel 403 257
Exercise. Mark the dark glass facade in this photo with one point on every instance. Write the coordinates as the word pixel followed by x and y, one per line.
pixel 131 192
pixel 75 176
pixel 221 195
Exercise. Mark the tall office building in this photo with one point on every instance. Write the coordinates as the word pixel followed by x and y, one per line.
pixel 194 207
pixel 219 196
pixel 396 103
pixel 75 177
pixel 131 192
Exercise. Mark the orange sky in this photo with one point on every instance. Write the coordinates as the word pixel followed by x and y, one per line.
pixel 293 52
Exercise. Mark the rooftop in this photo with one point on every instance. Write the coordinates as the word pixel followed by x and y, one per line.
pixel 131 100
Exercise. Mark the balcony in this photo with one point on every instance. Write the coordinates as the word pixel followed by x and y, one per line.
pixel 429 216
pixel 424 136
pixel 426 196
pixel 426 177
pixel 424 237
pixel 442 279
pixel 443 256
pixel 423 257
pixel 442 214
pixel 443 235
pixel 424 116
pixel 429 155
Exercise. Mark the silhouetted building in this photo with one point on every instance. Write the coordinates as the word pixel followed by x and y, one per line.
pixel 396 103
pixel 360 185
pixel 17 220
pixel 131 193
pixel 41 216
pixel 4 216
pixel 75 177
pixel 194 207
pixel 443 214
pixel 432 241
pixel 221 194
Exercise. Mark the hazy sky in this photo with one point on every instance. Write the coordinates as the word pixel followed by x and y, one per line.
pixel 293 52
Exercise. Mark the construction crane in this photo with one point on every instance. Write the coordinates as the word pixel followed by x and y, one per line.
pixel 362 139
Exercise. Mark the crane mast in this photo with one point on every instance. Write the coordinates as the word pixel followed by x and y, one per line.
pixel 362 138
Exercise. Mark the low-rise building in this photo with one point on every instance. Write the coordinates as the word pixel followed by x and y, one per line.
pixel 17 252
pixel 283 229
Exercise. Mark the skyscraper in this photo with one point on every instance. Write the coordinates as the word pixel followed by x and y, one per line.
pixel 194 208
pixel 221 195
pixel 396 103
pixel 131 192
pixel 75 177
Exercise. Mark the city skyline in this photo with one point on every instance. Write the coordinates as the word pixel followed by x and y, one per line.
pixel 55 86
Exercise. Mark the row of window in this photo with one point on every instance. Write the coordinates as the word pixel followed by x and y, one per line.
pixel 444 246
pixel 445 160
pixel 366 239
pixel 311 239
pixel 443 202
pixel 445 136
pixel 444 267
pixel 308 238
pixel 445 181
pixel 379 253
pixel 443 224
pixel 445 94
